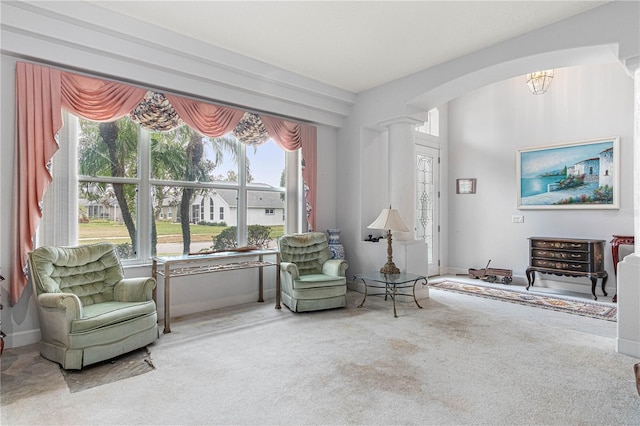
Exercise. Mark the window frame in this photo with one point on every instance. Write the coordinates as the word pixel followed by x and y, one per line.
pixel 144 184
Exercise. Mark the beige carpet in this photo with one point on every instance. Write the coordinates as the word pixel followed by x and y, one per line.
pixel 448 363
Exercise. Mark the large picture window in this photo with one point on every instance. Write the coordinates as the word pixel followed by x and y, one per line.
pixel 185 176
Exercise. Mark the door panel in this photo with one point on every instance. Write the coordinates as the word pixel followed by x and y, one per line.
pixel 427 199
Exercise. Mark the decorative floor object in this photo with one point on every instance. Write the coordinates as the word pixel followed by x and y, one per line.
pixel 128 365
pixel 336 249
pixel 605 311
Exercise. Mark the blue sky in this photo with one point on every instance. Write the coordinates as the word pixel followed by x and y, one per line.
pixel 267 163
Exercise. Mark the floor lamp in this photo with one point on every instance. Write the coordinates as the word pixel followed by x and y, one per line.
pixel 390 220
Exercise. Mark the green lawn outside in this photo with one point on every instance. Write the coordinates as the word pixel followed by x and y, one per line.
pixel 168 232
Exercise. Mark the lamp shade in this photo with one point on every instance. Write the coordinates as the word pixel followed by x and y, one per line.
pixel 389 219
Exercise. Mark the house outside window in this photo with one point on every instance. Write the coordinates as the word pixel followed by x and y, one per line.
pixel 269 212
pixel 120 161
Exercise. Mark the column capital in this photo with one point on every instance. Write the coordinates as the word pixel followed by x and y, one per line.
pixel 400 120
pixel 632 64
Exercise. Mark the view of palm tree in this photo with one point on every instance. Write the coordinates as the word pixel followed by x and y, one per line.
pixel 182 158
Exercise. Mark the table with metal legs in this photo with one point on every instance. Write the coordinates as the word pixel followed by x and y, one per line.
pixel 391 284
pixel 185 265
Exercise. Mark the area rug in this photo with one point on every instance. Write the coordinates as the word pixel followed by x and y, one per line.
pixel 593 309
pixel 128 365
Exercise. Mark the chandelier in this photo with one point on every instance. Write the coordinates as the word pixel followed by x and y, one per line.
pixel 539 81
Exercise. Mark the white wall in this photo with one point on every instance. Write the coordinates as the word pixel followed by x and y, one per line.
pixel 326 178
pixel 488 125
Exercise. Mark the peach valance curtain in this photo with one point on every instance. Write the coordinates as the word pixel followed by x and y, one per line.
pixel 210 120
pixel 42 92
pixel 98 100
pixel 292 136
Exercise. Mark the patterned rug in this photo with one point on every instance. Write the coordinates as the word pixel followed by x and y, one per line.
pixel 593 309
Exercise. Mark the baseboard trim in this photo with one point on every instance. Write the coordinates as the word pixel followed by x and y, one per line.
pixel 22 338
pixel 217 303
pixel 628 347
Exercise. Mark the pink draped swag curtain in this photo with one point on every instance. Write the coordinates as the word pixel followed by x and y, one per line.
pixel 291 136
pixel 41 92
pixel 38 119
pixel 210 120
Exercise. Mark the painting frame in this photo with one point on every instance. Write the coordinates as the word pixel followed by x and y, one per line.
pixel 466 186
pixel 572 175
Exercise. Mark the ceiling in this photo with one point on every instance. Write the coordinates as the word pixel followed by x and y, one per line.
pixel 352 45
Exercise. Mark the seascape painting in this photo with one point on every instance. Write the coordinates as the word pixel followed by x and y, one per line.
pixel 575 175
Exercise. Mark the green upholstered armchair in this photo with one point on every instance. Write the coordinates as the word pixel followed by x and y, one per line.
pixel 88 311
pixel 310 279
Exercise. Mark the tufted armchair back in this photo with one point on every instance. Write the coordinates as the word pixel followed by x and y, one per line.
pixel 308 251
pixel 90 271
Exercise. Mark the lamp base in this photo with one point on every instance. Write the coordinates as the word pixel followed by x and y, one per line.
pixel 389 268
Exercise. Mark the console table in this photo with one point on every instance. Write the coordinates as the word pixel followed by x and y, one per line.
pixel 391 284
pixel 178 266
pixel 569 257
pixel 617 241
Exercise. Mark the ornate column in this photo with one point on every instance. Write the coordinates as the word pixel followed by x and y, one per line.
pixel 409 254
pixel 402 166
pixel 628 340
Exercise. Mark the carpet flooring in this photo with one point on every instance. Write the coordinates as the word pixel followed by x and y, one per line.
pixel 457 361
pixel 593 309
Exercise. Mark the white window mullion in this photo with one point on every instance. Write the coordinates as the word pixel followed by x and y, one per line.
pixel 242 195
pixel 294 192
pixel 144 196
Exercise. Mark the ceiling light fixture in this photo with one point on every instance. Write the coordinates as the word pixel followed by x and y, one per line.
pixel 539 81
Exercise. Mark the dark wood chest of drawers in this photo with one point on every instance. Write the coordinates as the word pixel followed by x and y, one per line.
pixel 569 257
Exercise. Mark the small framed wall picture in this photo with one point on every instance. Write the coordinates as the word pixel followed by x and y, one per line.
pixel 465 186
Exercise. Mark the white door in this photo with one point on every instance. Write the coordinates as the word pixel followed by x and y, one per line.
pixel 427 199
